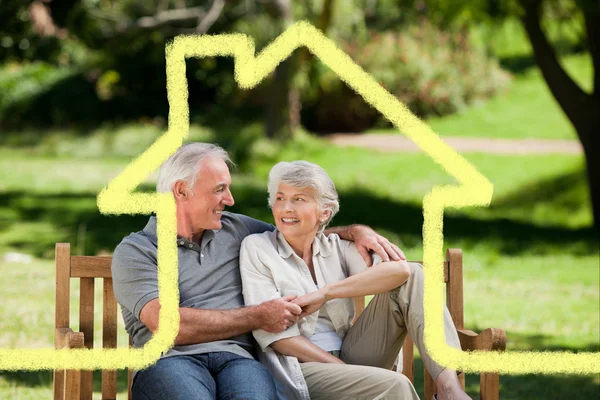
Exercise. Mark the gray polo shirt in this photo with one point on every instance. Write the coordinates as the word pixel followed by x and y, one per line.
pixel 209 278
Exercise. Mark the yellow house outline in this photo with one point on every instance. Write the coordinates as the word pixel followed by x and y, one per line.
pixel 118 197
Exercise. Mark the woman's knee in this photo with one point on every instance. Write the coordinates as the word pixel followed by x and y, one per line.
pixel 390 384
pixel 415 268
pixel 401 387
pixel 414 273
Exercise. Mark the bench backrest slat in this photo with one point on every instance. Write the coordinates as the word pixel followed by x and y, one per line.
pixel 454 287
pixel 63 285
pixel 90 267
pixel 87 269
pixel 61 311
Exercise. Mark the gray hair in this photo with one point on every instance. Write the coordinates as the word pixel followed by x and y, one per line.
pixel 184 164
pixel 302 174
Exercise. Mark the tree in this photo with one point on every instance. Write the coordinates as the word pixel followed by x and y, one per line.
pixel 582 109
pixel 130 37
pixel 284 105
pixel 283 101
pixel 115 25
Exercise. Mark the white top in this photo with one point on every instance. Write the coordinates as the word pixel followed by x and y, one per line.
pixel 270 269
pixel 325 336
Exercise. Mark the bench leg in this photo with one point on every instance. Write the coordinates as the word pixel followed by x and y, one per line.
pixel 72 385
pixel 59 385
pixel 430 387
pixel 408 356
pixel 490 386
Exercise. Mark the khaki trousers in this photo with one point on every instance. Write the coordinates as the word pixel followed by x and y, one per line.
pixel 372 345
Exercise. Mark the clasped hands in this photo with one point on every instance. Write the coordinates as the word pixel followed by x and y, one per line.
pixel 282 313
pixel 286 311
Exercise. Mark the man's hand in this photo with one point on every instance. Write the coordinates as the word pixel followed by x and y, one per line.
pixel 366 239
pixel 311 302
pixel 279 314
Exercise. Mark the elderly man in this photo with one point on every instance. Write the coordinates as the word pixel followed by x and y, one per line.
pixel 212 356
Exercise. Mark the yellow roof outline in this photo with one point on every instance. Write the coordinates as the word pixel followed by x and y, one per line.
pixel 118 198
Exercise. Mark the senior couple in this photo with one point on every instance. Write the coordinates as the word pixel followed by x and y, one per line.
pixel 266 311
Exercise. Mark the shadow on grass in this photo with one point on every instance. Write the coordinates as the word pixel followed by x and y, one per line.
pixel 28 378
pixel 45 379
pixel 565 192
pixel 531 386
pixel 508 236
pixel 39 221
pixel 512 387
pixel 518 64
pixel 34 222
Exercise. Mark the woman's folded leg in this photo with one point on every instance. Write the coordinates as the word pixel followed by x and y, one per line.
pixel 379 332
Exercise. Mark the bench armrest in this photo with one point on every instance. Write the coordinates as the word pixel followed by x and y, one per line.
pixel 67 339
pixel 67 383
pixel 489 339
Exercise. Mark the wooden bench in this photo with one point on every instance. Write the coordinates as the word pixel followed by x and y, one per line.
pixel 70 384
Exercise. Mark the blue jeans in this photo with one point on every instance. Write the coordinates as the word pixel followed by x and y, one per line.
pixel 219 375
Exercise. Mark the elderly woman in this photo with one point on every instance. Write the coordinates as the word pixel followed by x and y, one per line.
pixel 323 355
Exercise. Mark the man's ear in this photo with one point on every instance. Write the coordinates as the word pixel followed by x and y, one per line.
pixel 180 191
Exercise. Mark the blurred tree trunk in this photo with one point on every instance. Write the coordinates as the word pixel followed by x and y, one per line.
pixel 325 16
pixel 582 109
pixel 282 105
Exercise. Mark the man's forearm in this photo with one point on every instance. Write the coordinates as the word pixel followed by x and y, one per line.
pixel 345 232
pixel 200 326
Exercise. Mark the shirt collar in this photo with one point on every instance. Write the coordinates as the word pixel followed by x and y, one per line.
pixel 319 245
pixel 150 232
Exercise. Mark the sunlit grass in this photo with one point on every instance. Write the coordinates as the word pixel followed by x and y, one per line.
pixel 526 109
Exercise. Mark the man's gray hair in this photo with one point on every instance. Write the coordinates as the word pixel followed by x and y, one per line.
pixel 301 174
pixel 184 164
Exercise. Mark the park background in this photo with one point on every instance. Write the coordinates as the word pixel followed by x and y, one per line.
pixel 83 92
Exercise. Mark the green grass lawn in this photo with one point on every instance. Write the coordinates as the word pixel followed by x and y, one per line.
pixel 525 110
pixel 531 261
pixel 28 322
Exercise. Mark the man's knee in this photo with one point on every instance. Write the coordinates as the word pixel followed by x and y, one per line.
pixel 246 379
pixel 174 378
pixel 260 384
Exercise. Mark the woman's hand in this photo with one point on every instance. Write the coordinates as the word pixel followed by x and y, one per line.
pixel 366 239
pixel 311 302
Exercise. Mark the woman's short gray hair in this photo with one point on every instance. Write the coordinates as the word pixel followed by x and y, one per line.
pixel 303 174
pixel 184 164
